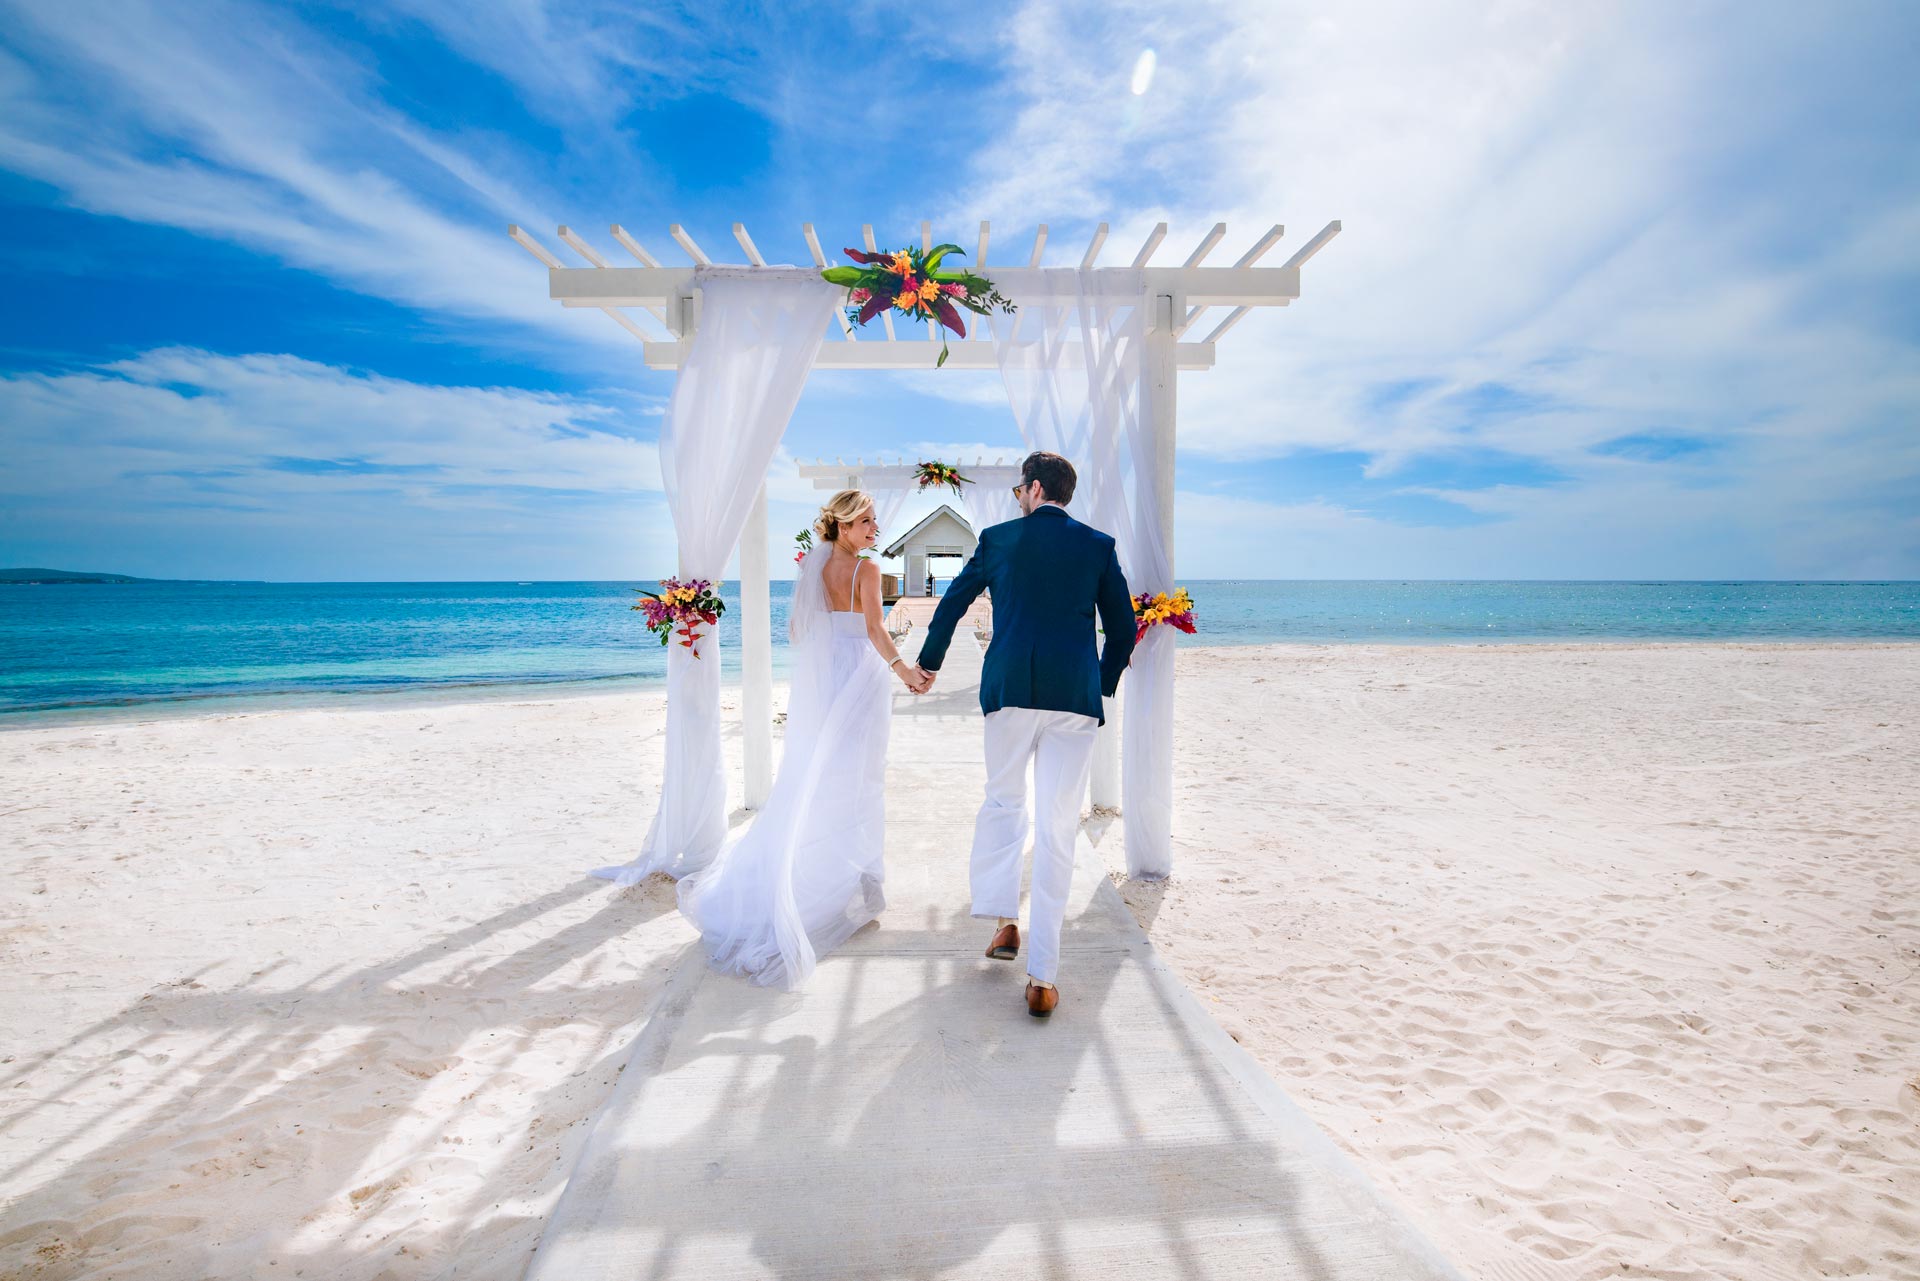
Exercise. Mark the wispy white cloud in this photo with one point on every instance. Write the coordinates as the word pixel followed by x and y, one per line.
pixel 316 465
pixel 1564 226
pixel 240 123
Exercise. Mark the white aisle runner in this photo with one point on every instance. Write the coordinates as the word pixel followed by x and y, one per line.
pixel 904 1117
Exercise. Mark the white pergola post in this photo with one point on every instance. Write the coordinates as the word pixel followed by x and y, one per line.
pixel 756 657
pixel 1161 374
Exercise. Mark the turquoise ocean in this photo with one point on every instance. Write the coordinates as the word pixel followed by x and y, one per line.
pixel 78 651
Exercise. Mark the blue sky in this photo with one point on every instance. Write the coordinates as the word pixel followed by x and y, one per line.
pixel 1624 290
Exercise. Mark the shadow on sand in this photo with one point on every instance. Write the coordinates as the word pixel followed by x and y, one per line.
pixel 255 1102
pixel 905 1118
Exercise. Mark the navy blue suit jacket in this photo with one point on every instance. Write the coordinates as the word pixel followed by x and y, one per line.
pixel 1049 576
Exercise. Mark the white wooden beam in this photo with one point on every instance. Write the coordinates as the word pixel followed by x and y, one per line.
pixel 980 258
pixel 911 355
pixel 746 244
pixel 1246 259
pixel 1261 246
pixel 1039 243
pixel 886 316
pixel 895 475
pixel 632 246
pixel 1197 286
pixel 1093 250
pixel 1315 245
pixel 1205 247
pixel 820 260
pixel 626 322
pixel 694 251
pixel 540 252
pixel 1234 317
pixel 1153 242
pixel 534 247
pixel 581 247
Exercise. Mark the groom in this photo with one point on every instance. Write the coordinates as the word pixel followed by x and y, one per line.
pixel 1040 688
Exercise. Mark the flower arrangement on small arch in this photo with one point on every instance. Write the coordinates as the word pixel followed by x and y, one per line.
pixel 912 281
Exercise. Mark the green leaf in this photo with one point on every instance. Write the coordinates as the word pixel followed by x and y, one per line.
pixel 941 251
pixel 848 276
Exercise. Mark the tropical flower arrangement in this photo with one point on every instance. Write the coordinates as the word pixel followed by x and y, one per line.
pixel 1153 608
pixel 911 280
pixel 679 609
pixel 934 475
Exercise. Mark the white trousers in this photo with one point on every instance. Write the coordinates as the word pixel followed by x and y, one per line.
pixel 1059 748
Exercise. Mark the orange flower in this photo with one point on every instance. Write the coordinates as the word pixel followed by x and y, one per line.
pixel 907 301
pixel 929 290
pixel 901 265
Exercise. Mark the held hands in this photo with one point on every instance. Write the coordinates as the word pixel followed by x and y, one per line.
pixel 916 678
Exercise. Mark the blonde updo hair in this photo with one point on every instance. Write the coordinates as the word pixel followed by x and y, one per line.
pixel 842 509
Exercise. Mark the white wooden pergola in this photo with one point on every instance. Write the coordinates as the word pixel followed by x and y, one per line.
pixel 660 306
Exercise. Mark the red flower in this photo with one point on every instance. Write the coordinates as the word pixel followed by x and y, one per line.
pixel 861 295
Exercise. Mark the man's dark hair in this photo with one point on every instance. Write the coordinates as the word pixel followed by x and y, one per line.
pixel 1055 474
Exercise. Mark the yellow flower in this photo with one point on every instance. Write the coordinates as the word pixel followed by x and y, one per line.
pixel 929 291
pixel 907 302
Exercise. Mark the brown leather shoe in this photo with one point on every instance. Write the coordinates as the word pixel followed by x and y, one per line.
pixel 1041 1000
pixel 1006 943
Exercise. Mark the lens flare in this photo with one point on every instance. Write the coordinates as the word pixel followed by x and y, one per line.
pixel 1143 72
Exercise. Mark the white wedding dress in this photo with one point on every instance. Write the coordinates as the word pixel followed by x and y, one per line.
pixel 807 872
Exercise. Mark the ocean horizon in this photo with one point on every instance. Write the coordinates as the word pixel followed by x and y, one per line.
pixel 84 650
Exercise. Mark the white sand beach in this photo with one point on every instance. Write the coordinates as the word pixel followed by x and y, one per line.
pixel 1601 959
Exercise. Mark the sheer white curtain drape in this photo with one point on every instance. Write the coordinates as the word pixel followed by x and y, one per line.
pixel 749 360
pixel 1073 358
pixel 888 503
pixel 988 504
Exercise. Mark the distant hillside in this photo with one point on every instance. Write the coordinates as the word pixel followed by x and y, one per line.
pixel 66 576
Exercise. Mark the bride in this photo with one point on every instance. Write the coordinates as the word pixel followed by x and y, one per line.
pixel 807 872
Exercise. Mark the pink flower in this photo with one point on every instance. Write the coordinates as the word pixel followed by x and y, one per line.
pixel 860 296
pixel 954 289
